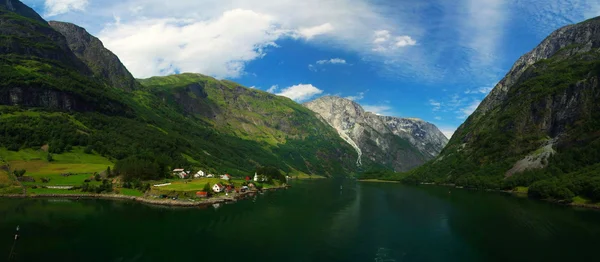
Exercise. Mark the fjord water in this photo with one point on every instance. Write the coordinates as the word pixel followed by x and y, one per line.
pixel 313 221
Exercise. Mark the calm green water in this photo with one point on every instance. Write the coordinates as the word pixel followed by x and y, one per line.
pixel 313 221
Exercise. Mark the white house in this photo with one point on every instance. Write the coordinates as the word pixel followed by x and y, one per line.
pixel 199 174
pixel 218 188
pixel 259 178
pixel 180 172
pixel 226 177
pixel 210 176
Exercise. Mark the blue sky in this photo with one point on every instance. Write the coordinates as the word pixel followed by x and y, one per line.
pixel 434 60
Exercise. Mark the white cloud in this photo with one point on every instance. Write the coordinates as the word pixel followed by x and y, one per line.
pixel 57 7
pixel 481 90
pixel 382 41
pixel 136 9
pixel 253 87
pixel 384 110
pixel 384 35
pixel 219 47
pixel 402 41
pixel 356 97
pixel 321 63
pixel 468 110
pixel 273 88
pixel 455 104
pixel 482 31
pixel 332 61
pixel 435 104
pixel 379 40
pixel 300 92
pixel 438 118
pixel 310 32
pixel 463 42
pixel 219 38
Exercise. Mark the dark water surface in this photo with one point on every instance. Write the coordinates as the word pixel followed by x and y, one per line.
pixel 313 221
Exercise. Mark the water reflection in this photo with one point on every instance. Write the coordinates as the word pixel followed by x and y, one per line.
pixel 313 221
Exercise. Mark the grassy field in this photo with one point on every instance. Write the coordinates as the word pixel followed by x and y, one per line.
pixel 77 162
pixel 521 190
pixel 59 180
pixel 47 191
pixel 581 200
pixel 196 184
pixel 8 185
pixel 130 192
pixel 4 178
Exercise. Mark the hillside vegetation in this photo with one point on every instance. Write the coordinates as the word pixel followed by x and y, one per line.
pixel 540 128
pixel 51 99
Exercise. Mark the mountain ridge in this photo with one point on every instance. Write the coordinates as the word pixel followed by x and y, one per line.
pixel 398 143
pixel 89 49
pixel 537 128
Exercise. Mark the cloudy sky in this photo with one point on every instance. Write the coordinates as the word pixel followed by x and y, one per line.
pixel 434 60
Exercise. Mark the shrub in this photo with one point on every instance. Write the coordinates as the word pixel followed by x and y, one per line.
pixel 550 189
pixel 19 173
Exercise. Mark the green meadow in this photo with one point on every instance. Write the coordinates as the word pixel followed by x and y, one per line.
pixel 37 166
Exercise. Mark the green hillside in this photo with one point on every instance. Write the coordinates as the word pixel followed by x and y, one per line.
pixel 544 133
pixel 50 99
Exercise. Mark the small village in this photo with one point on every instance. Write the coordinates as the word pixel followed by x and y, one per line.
pixel 202 185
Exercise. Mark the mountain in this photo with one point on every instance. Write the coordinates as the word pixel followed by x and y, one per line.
pixel 89 49
pixel 21 9
pixel 62 91
pixel 538 128
pixel 397 143
pixel 285 128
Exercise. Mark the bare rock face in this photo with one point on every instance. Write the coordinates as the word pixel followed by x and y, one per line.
pixel 398 143
pixel 103 63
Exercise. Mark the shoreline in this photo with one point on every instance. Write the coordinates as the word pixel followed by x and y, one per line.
pixel 149 201
pixel 516 193
pixel 378 181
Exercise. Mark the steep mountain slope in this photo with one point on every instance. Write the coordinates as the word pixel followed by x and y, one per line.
pixel 397 143
pixel 38 69
pixel 541 122
pixel 52 95
pixel 286 128
pixel 103 63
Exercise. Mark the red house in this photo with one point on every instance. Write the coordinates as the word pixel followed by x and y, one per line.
pixel 247 178
pixel 201 194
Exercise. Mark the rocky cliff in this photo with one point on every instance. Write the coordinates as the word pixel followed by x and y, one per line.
pixel 103 63
pixel 23 33
pixel 398 143
pixel 542 118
